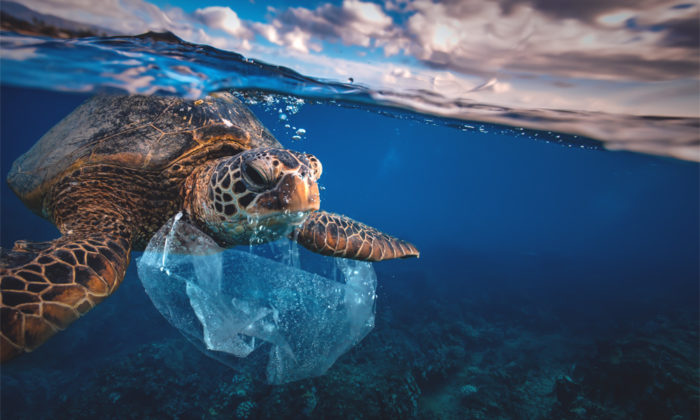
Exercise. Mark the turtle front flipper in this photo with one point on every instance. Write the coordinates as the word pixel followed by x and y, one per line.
pixel 339 236
pixel 45 286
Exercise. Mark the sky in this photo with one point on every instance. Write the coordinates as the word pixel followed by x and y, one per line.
pixel 637 57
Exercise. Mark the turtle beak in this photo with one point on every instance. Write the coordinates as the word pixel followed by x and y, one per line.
pixel 300 194
pixel 293 193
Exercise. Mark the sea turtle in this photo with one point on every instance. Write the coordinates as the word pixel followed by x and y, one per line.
pixel 111 173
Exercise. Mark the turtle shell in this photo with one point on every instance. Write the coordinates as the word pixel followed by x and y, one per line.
pixel 138 132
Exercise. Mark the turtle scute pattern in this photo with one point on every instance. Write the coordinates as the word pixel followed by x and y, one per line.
pixel 46 286
pixel 140 132
pixel 108 176
pixel 340 236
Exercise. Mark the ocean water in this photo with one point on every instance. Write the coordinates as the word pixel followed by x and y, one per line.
pixel 557 279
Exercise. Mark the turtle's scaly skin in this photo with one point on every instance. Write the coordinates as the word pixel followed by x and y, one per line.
pixel 339 236
pixel 107 194
pixel 239 201
pixel 116 169
pixel 165 137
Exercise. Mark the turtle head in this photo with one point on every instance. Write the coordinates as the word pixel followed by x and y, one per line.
pixel 257 196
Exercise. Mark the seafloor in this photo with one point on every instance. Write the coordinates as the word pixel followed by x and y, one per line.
pixel 431 356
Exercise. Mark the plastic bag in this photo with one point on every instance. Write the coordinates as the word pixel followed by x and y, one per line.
pixel 273 311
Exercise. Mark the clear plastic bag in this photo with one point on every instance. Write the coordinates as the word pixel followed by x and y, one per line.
pixel 275 311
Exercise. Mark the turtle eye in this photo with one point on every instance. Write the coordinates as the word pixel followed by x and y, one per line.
pixel 254 176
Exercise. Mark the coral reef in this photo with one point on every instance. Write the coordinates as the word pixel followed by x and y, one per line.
pixel 447 358
pixel 651 373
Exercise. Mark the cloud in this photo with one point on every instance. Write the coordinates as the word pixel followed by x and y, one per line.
pixel 613 67
pixel 353 23
pixel 294 38
pixel 480 38
pixel 586 11
pixel 225 19
pixel 131 17
pixel 122 16
pixel 493 85
pixel 683 32
pixel 647 40
pixel 642 40
pixel 505 52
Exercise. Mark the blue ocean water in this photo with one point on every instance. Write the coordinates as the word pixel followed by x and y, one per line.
pixel 556 279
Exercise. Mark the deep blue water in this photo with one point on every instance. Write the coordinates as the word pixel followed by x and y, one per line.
pixel 550 253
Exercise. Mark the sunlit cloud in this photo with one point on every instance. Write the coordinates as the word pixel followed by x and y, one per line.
pixel 616 18
pixel 223 18
pixel 491 38
pixel 293 38
pixel 121 16
pixel 527 53
pixel 352 23
pixel 502 41
pixel 476 37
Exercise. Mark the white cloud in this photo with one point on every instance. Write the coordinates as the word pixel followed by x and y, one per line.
pixel 572 54
pixel 124 16
pixel 616 18
pixel 493 85
pixel 476 37
pixel 353 23
pixel 299 40
pixel 223 18
pixel 370 21
pixel 294 38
